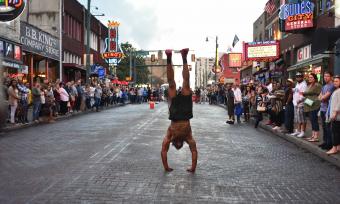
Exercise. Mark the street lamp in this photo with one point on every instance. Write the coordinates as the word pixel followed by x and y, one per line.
pixel 216 56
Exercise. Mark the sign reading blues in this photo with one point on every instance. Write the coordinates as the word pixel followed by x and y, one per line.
pixel 297 15
pixel 11 9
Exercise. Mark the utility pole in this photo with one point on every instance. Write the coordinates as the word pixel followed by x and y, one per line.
pixel 130 75
pixel 216 60
pixel 88 31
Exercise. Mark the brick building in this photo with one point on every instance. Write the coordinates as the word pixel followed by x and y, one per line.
pixel 74 41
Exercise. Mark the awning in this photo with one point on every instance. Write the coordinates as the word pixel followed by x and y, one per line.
pixel 74 66
pixel 314 60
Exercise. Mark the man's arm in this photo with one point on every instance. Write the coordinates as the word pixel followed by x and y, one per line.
pixel 164 152
pixel 194 154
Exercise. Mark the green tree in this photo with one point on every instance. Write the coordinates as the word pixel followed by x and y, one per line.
pixel 123 69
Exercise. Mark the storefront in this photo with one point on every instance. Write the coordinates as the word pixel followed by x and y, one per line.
pixel 307 64
pixel 74 72
pixel 11 55
pixel 41 53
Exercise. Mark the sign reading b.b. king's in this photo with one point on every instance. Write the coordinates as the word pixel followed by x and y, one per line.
pixel 11 9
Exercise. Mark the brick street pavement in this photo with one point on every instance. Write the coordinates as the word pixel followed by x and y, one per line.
pixel 115 158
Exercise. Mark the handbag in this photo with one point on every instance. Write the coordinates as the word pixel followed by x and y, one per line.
pixel 309 102
pixel 261 109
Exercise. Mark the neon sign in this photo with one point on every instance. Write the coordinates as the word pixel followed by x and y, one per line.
pixel 298 15
pixel 11 9
pixel 110 55
pixel 113 49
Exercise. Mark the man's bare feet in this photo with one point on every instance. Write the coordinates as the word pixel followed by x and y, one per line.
pixel 184 52
pixel 168 169
pixel 168 53
pixel 191 170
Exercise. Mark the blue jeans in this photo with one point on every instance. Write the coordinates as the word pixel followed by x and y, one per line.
pixel 327 130
pixel 36 110
pixel 97 103
pixel 289 117
pixel 313 116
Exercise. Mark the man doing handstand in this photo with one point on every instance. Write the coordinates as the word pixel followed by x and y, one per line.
pixel 180 109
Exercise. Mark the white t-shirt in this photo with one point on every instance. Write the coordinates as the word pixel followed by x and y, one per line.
pixel 238 95
pixel 92 90
pixel 270 87
pixel 63 95
pixel 297 96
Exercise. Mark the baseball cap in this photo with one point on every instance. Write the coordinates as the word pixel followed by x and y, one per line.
pixel 291 81
pixel 299 74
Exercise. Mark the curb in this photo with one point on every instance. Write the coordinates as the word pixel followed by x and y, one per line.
pixel 314 149
pixel 32 124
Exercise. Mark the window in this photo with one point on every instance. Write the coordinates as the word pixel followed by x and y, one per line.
pixel 17 53
pixel 94 41
pixel 102 46
pixel 9 50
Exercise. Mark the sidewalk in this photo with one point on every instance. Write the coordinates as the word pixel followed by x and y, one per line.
pixel 302 143
pixel 9 127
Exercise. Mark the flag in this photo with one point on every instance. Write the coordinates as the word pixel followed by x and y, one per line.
pixel 235 40
pixel 270 6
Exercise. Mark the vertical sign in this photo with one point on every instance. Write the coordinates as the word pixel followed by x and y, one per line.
pixel 113 37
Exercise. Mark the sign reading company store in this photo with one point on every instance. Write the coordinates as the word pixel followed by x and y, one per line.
pixel 297 15
pixel 40 45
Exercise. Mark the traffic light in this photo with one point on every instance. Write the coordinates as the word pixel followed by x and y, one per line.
pixel 153 58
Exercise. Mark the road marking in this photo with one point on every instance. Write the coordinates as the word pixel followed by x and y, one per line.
pixel 116 155
pixel 94 155
pixel 107 146
pixel 119 144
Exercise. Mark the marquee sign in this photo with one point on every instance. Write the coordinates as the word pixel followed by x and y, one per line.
pixel 262 51
pixel 11 9
pixel 297 15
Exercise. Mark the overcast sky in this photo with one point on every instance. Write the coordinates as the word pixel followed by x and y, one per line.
pixel 161 24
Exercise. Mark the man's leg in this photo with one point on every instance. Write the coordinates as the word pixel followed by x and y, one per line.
pixel 171 75
pixel 185 73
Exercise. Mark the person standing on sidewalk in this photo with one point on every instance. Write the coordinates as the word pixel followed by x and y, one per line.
pixel 312 105
pixel 64 99
pixel 13 98
pixel 299 116
pixel 79 97
pixel 36 94
pixel 23 93
pixel 238 102
pixel 230 105
pixel 262 103
pixel 97 96
pixel 289 107
pixel 333 113
pixel 324 97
